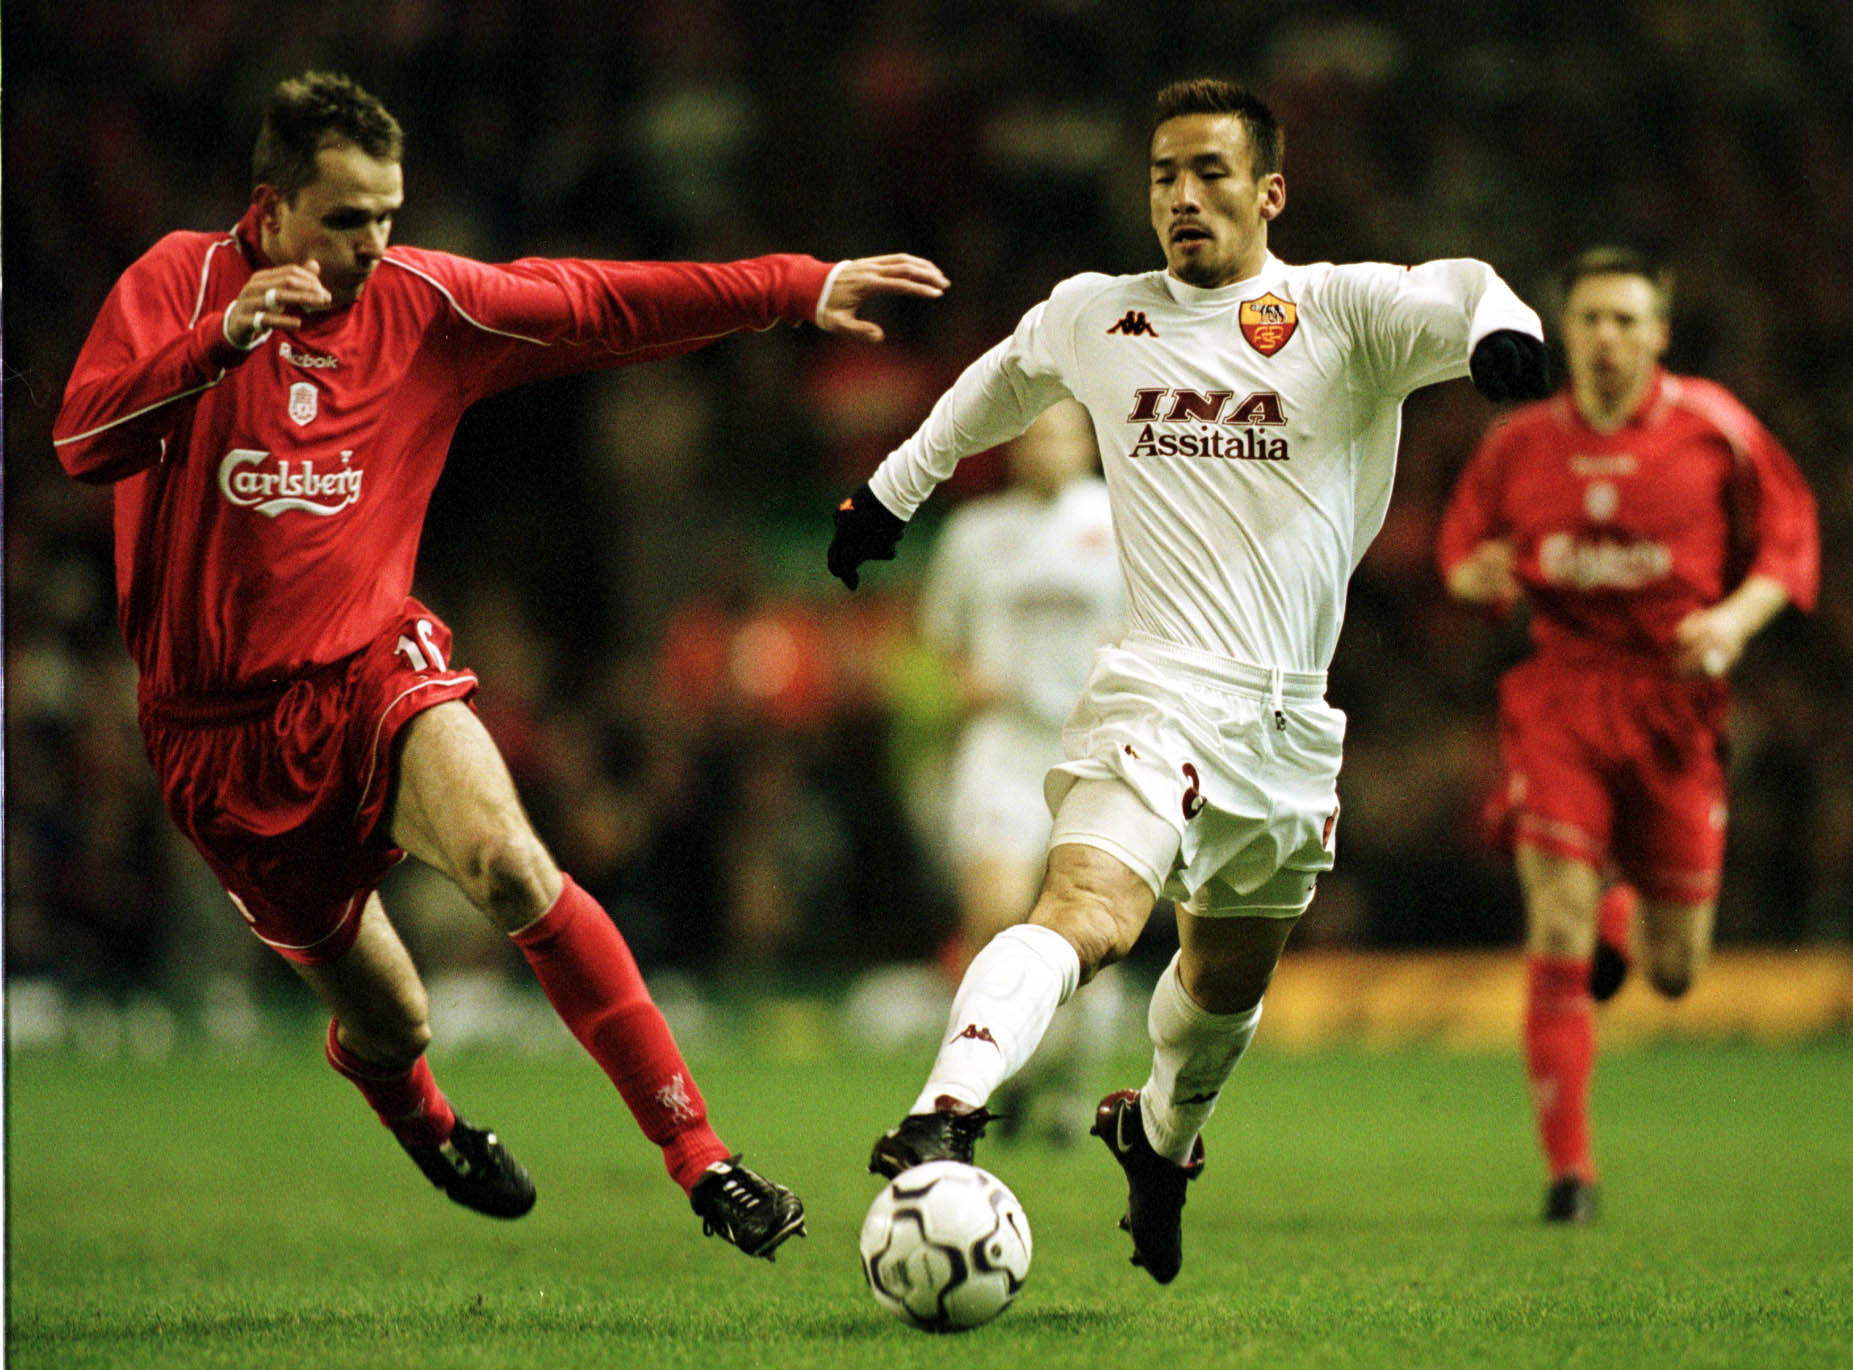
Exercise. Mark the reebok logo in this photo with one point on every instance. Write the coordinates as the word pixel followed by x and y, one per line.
pixel 312 360
pixel 1134 325
pixel 972 1032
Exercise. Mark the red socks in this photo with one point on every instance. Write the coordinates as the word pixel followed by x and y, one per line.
pixel 592 980
pixel 1615 918
pixel 409 1101
pixel 1560 1051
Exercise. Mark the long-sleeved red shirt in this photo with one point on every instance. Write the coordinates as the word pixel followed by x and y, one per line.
pixel 268 504
pixel 1618 536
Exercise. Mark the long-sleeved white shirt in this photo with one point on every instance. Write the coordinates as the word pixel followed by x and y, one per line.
pixel 1247 434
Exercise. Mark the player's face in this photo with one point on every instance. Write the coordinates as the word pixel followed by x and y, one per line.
pixel 1613 335
pixel 340 220
pixel 1208 209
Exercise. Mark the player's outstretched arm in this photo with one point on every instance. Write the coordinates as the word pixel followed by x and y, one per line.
pixel 863 278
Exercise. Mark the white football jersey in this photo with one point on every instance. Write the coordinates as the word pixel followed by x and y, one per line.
pixel 1025 588
pixel 1248 433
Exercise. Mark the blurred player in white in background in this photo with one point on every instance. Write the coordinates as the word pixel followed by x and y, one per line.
pixel 1247 413
pixel 1023 586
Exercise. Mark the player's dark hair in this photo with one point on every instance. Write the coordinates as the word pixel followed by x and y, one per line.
pixel 1621 261
pixel 310 112
pixel 1206 95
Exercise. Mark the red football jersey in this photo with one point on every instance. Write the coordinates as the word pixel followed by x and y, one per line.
pixel 268 503
pixel 1618 536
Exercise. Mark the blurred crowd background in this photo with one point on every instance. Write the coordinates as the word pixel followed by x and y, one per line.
pixel 736 755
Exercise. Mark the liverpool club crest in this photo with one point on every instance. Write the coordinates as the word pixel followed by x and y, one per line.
pixel 302 403
pixel 1268 322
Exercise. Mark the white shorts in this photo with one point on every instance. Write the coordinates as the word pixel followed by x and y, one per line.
pixel 1234 767
pixel 995 806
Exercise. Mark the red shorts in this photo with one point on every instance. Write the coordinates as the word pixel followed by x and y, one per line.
pixel 284 788
pixel 1622 769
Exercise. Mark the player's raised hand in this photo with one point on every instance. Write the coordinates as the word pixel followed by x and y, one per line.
pixel 865 531
pixel 276 297
pixel 1510 365
pixel 896 273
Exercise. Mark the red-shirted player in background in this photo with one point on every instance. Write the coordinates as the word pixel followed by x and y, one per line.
pixel 274 405
pixel 1653 526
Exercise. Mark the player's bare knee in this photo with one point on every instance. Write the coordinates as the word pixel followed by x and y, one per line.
pixel 1560 925
pixel 1672 975
pixel 506 875
pixel 1088 923
pixel 1672 984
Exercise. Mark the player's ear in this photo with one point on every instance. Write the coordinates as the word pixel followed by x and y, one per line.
pixel 267 198
pixel 1273 190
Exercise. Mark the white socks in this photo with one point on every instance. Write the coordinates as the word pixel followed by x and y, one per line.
pixel 1010 992
pixel 1193 1055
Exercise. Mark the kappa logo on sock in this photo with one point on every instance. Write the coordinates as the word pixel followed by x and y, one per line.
pixel 975 1033
pixel 673 1095
pixel 1209 1098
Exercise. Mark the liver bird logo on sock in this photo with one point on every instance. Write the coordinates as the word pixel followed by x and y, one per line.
pixel 672 1094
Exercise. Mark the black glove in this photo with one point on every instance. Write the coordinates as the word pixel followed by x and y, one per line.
pixel 865 531
pixel 1509 365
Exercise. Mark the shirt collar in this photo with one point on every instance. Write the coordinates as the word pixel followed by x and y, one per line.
pixel 1185 293
pixel 251 239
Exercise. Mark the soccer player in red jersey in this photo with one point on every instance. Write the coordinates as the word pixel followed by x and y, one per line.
pixel 1653 526
pixel 273 406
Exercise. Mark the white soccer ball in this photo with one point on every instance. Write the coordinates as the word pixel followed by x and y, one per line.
pixel 945 1246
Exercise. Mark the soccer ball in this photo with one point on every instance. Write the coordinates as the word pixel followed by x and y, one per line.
pixel 945 1246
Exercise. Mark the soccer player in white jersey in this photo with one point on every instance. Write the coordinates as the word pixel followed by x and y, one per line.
pixel 1022 586
pixel 1247 413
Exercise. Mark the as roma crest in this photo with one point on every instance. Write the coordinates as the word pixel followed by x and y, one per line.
pixel 1268 322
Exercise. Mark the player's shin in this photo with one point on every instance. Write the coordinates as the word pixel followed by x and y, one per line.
pixel 592 980
pixel 1193 1054
pixel 407 1100
pixel 1001 1011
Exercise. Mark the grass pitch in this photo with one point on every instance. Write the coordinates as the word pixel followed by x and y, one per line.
pixel 1359 1209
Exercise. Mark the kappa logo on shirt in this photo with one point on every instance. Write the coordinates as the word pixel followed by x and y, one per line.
pixel 1134 325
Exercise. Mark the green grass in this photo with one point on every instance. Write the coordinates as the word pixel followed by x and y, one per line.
pixel 1360 1209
